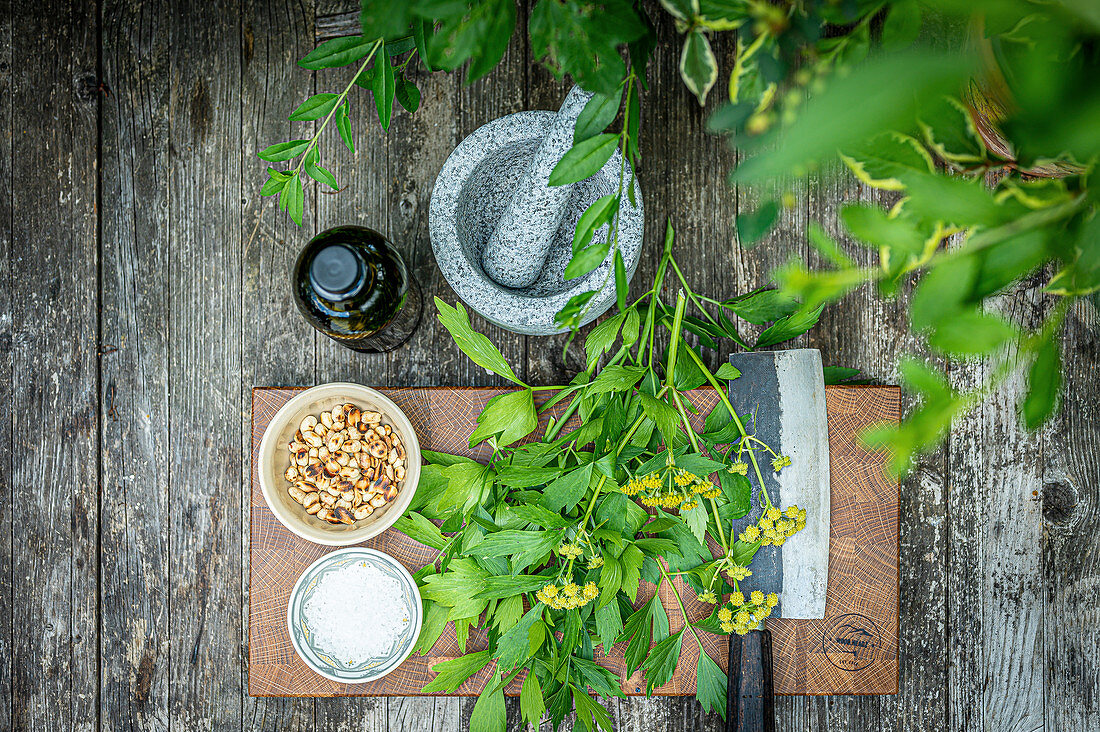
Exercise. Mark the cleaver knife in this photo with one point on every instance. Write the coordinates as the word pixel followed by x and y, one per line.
pixel 780 397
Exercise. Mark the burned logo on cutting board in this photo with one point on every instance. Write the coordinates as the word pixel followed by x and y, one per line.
pixel 851 642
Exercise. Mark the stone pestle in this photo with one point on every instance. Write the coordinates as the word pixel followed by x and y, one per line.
pixel 516 251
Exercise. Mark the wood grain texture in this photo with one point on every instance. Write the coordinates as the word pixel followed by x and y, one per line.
pixel 53 294
pixel 7 367
pixel 205 327
pixel 277 345
pixel 133 393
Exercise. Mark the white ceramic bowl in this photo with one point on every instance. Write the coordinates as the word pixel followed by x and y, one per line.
pixel 274 458
pixel 302 636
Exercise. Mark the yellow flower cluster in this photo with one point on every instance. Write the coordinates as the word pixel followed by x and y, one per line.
pixel 741 617
pixel 707 596
pixel 568 596
pixel 775 526
pixel 780 462
pixel 595 562
pixel 737 572
pixel 570 550
pixel 676 488
pixel 740 468
pixel 649 482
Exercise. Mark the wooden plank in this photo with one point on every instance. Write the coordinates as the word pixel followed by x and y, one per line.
pixel 7 608
pixel 54 323
pixel 277 346
pixel 205 454
pixel 1070 544
pixel 997 609
pixel 133 398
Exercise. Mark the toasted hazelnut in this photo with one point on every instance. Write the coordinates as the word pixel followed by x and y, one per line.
pixel 296 445
pixel 301 457
pixel 371 417
pixel 342 458
pixel 291 474
pixel 343 515
pixel 363 458
pixel 378 448
pixel 305 487
pixel 313 452
pixel 351 446
pixel 310 499
pixel 296 494
pixel 332 468
pixel 313 508
pixel 362 512
pixel 362 485
pixel 327 499
pixel 343 503
pixel 338 424
pixel 313 439
pixel 334 441
pixel 353 433
pixel 312 471
pixel 337 413
pixel 353 416
pixel 307 424
pixel 320 430
pixel 326 420
pixel 378 500
pixel 325 514
pixel 391 493
pixel 350 472
pixel 399 472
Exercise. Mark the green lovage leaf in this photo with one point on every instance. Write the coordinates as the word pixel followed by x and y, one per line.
pixel 435 622
pixel 514 647
pixel 698 67
pixel 565 492
pixel 952 201
pixel 283 151
pixel 315 107
pixel 948 129
pixel 611 579
pixel 710 684
pixel 509 417
pixel 522 547
pixel 418 528
pixel 665 417
pixel 383 87
pixel 839 374
pixel 526 476
pixel 407 94
pixel 661 662
pixel 584 159
pixel 489 714
pixel 532 705
pixel 630 561
pixel 600 340
pixel 598 213
pixel 900 236
pixel 738 492
pixel 457 588
pixel 590 713
pixel 598 113
pixel 476 346
pixel 753 226
pixel 508 612
pixel 602 681
pixel 535 514
pixel 609 624
pixel 696 520
pixel 507 586
pixel 337 52
pixel 616 378
pixel 619 513
pixel 622 285
pixel 469 484
pixel 789 327
pixel 728 372
pixel 449 675
pixel 587 260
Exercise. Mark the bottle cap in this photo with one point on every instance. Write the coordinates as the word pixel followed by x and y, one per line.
pixel 336 273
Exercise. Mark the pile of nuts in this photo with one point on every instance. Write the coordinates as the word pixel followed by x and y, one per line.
pixel 345 464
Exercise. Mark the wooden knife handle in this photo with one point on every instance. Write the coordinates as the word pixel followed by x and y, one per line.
pixel 750 698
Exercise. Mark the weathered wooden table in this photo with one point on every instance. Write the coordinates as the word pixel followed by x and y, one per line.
pixel 145 294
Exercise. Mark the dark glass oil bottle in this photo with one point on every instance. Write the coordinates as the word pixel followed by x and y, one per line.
pixel 352 285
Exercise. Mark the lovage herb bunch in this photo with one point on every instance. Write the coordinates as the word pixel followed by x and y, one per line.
pixel 547 545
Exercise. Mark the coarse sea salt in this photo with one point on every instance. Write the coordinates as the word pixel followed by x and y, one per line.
pixel 356 613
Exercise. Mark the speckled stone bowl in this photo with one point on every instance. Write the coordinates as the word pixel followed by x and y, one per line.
pixel 470 195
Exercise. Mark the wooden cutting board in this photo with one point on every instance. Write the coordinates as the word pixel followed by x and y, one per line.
pixel 854 650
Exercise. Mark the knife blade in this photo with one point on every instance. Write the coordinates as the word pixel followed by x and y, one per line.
pixel 780 397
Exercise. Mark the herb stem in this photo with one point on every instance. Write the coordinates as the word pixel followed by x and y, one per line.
pixel 339 100
pixel 680 603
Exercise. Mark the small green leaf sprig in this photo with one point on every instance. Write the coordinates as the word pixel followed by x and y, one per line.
pixel 545 546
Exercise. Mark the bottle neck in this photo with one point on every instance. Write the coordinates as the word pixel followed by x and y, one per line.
pixel 338 272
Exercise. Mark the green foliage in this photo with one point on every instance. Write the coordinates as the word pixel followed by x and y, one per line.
pixel 984 148
pixel 554 525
